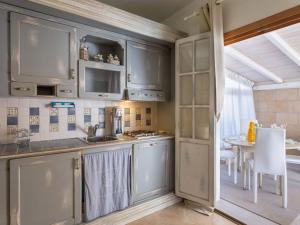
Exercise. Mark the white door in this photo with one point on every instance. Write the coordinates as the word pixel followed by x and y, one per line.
pixel 199 70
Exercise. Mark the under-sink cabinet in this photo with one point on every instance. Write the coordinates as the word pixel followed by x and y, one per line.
pixel 152 169
pixel 4 192
pixel 46 190
pixel 43 57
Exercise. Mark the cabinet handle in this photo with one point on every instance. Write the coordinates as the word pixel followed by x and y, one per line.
pixel 22 89
pixel 101 95
pixel 72 74
pixel 129 77
pixel 66 91
pixel 76 164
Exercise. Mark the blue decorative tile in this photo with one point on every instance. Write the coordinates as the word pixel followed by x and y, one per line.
pixel 138 116
pixel 71 126
pixel 102 125
pixel 34 128
pixel 13 120
pixel 148 110
pixel 33 111
pixel 127 124
pixel 148 122
pixel 101 111
pixel 71 111
pixel 87 118
pixel 53 119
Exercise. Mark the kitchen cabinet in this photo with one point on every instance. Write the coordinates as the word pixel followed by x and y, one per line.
pixel 152 173
pixel 147 66
pixel 4 84
pixel 46 190
pixel 43 54
pixel 4 193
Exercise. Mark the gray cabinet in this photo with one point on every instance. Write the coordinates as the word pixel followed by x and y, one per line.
pixel 4 193
pixel 4 84
pixel 147 65
pixel 43 53
pixel 46 190
pixel 151 169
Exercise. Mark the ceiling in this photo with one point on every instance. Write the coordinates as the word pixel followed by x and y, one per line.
pixel 157 10
pixel 279 55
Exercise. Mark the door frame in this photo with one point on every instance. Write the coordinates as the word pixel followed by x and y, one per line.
pixel 279 20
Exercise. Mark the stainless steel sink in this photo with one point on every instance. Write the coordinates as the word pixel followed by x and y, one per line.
pixel 101 139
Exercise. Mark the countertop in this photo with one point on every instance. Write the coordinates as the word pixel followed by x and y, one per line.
pixel 37 148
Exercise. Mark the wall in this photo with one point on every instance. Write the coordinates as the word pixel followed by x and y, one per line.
pixel 236 13
pixel 279 106
pixel 48 124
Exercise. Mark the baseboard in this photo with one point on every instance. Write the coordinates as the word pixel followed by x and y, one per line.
pixel 137 212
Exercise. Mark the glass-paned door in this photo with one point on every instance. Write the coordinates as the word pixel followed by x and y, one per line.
pixel 195 115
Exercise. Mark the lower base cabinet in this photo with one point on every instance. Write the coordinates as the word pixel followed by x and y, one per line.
pixel 46 190
pixel 152 163
pixel 4 193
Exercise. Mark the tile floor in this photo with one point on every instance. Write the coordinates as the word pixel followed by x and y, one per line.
pixel 180 215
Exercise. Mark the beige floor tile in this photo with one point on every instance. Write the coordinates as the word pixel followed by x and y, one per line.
pixel 180 215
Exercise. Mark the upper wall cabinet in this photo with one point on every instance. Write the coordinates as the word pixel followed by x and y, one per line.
pixel 43 53
pixel 147 66
pixel 4 53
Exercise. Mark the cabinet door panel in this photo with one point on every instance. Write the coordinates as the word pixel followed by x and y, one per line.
pixel 146 65
pixel 4 84
pixel 4 196
pixel 151 170
pixel 194 182
pixel 42 51
pixel 45 190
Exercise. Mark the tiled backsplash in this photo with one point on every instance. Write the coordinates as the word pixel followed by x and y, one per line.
pixel 46 123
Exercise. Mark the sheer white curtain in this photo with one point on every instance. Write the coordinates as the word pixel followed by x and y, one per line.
pixel 238 109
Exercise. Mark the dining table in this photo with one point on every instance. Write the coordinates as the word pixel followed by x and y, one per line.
pixel 245 148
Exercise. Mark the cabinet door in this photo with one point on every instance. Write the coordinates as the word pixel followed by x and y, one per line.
pixel 151 170
pixel 199 70
pixel 4 85
pixel 45 190
pixel 146 65
pixel 42 51
pixel 4 197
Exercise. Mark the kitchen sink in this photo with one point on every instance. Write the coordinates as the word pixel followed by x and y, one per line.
pixel 100 139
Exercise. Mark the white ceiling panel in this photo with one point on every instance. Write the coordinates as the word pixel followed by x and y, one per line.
pixel 265 53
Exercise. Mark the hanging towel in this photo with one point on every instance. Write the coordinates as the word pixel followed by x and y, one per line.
pixel 106 182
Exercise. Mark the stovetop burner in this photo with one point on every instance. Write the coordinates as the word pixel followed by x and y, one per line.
pixel 141 133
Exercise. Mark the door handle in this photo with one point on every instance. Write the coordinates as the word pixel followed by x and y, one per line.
pixel 76 164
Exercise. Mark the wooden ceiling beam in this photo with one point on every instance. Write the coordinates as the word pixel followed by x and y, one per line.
pixel 252 64
pixel 283 46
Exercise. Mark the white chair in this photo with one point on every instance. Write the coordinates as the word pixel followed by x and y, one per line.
pixel 229 156
pixel 270 158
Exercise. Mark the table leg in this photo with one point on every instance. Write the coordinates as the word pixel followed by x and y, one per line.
pixel 244 171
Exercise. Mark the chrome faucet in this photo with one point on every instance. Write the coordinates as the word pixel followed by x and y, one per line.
pixel 92 130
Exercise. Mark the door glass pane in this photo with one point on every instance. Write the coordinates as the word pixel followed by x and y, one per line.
pixel 202 89
pixel 102 81
pixel 186 89
pixel 186 125
pixel 201 123
pixel 202 55
pixel 186 57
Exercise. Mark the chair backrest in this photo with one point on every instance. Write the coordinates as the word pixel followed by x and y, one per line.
pixel 270 155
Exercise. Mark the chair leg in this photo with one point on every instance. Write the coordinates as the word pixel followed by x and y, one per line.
pixel 284 191
pixel 249 177
pixel 254 187
pixel 235 170
pixel 279 185
pixel 260 180
pixel 229 167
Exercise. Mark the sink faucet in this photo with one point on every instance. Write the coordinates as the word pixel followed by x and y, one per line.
pixel 92 130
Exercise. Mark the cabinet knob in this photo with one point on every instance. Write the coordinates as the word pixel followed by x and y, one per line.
pixel 72 74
